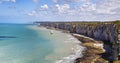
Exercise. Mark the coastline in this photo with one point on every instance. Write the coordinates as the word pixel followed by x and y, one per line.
pixel 91 53
pixel 76 49
pixel 107 32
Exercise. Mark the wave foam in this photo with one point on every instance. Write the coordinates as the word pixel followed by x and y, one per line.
pixel 71 58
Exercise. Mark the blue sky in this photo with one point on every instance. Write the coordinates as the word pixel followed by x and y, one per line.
pixel 27 11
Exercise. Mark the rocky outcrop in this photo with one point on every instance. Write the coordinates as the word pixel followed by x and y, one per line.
pixel 109 33
pixel 94 49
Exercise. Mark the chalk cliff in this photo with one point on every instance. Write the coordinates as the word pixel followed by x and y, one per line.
pixel 108 32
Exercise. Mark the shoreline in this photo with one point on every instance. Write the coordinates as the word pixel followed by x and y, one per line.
pixel 75 49
pixel 72 57
pixel 93 50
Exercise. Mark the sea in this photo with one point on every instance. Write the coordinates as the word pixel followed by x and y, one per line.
pixel 26 43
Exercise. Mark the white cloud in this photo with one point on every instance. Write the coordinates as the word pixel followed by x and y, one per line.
pixel 33 13
pixel 44 7
pixel 36 1
pixel 72 0
pixel 101 7
pixel 62 8
pixel 108 6
pixel 55 1
pixel 39 11
pixel 87 10
pixel 88 7
pixel 2 1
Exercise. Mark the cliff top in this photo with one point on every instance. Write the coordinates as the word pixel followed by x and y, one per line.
pixel 85 22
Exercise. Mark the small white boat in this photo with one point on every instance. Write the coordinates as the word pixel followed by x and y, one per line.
pixel 51 32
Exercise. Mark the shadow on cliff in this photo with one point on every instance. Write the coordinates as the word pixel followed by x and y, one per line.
pixel 108 55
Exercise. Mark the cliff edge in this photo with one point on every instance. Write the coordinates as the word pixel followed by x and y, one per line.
pixel 108 32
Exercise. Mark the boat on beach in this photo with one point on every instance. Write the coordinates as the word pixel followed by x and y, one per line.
pixel 51 32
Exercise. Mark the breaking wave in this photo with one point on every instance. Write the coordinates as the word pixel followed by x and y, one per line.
pixel 77 52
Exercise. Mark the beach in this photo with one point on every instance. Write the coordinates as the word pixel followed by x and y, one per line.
pixel 93 48
pixel 68 48
pixel 89 50
pixel 33 44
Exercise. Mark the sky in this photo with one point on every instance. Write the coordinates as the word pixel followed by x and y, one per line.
pixel 27 11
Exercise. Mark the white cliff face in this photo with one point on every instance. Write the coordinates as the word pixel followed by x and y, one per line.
pixel 119 40
pixel 101 32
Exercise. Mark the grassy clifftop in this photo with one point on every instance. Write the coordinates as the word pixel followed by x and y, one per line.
pixel 93 23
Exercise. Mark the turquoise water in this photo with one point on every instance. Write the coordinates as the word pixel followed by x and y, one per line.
pixel 33 44
pixel 26 47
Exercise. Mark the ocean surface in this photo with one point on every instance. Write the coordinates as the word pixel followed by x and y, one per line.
pixel 33 44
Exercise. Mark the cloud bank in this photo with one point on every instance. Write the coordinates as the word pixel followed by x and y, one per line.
pixel 81 10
